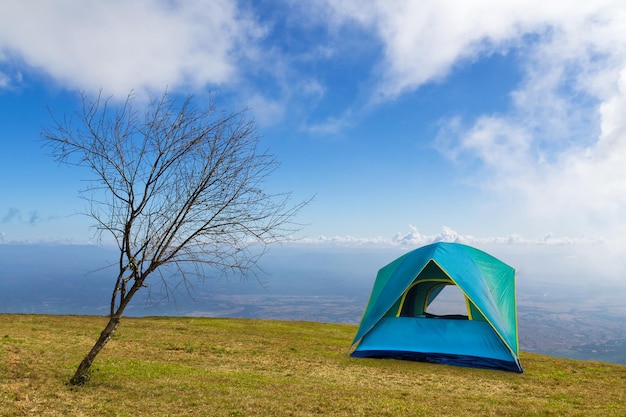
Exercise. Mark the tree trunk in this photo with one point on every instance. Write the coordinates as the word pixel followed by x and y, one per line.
pixel 82 373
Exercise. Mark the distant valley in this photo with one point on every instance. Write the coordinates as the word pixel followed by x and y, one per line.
pixel 570 322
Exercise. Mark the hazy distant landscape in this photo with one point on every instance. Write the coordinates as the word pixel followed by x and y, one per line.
pixel 578 322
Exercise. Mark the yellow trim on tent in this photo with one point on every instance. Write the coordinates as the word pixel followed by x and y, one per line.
pixel 468 304
pixel 515 308
pixel 428 295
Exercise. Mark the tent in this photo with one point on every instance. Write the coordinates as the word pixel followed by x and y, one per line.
pixel 397 324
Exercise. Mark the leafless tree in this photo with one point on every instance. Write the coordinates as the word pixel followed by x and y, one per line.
pixel 178 187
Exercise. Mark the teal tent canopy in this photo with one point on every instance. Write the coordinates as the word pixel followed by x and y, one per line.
pixel 397 324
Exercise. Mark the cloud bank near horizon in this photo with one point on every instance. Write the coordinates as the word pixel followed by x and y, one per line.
pixel 586 262
pixel 414 238
pixel 590 262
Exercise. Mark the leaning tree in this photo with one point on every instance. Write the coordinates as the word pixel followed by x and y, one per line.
pixel 179 188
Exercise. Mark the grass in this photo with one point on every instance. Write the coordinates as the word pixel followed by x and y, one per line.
pixel 235 367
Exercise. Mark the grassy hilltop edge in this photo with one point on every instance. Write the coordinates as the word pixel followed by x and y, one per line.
pixel 195 366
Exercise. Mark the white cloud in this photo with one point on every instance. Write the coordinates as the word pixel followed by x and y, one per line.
pixel 294 93
pixel 4 80
pixel 332 125
pixel 119 45
pixel 424 40
pixel 266 111
pixel 559 154
pixel 562 149
pixel 312 88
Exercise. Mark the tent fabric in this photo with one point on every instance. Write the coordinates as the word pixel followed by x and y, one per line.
pixel 489 287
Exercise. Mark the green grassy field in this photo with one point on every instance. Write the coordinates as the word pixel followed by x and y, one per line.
pixel 236 367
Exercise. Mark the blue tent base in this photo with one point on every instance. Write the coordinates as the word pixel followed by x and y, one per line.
pixel 440 358
pixel 453 342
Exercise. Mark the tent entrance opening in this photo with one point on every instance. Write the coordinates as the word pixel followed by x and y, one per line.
pixel 449 302
pixel 434 298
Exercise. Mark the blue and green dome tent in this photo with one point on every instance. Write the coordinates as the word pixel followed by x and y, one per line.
pixel 396 322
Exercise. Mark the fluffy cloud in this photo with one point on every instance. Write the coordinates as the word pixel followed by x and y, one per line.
pixel 562 148
pixel 119 46
pixel 4 80
pixel 560 152
pixel 424 40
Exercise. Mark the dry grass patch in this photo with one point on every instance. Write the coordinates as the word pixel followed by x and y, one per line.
pixel 236 367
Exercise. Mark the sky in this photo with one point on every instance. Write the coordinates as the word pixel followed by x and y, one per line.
pixel 499 124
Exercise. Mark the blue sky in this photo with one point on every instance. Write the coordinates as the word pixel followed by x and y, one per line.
pixel 498 124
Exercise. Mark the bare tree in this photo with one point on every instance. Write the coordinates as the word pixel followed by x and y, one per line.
pixel 179 188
